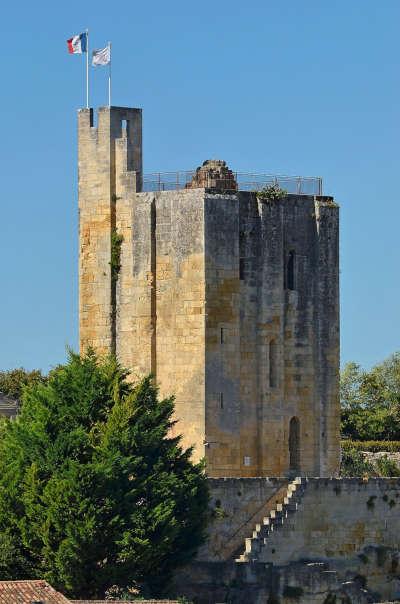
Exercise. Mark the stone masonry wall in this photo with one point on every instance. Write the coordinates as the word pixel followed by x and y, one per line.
pixel 272 347
pixel 161 301
pixel 222 345
pixel 103 170
pixel 341 545
pixel 231 301
pixel 236 505
pixel 337 518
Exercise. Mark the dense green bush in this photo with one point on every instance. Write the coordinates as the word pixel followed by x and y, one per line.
pixel 387 467
pixel 354 464
pixel 14 381
pixel 374 446
pixel 271 193
pixel 94 492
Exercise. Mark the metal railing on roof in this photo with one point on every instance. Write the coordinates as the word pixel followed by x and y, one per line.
pixel 246 181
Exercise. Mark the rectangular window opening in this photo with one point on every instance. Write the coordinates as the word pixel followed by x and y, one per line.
pixel 241 269
pixel 246 460
pixel 221 400
pixel 222 336
pixel 125 128
pixel 272 370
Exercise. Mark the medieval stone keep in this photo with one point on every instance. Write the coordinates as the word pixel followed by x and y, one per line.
pixel 228 293
pixel 231 300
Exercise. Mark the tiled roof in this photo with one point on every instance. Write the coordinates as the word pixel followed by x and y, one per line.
pixel 40 592
pixel 8 406
pixel 30 592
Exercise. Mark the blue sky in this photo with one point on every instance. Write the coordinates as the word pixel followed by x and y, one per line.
pixel 288 87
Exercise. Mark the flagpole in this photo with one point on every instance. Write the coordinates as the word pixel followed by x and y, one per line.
pixel 87 69
pixel 109 77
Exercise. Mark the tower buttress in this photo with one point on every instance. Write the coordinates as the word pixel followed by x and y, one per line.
pixel 110 159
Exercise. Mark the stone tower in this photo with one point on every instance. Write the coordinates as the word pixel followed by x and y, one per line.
pixel 230 299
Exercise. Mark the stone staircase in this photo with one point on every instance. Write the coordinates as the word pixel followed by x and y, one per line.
pixel 274 521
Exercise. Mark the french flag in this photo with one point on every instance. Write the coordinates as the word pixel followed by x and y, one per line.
pixel 77 44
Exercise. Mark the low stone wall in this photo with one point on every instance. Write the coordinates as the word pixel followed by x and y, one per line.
pixel 373 457
pixel 258 583
pixel 236 505
pixel 337 518
pixel 339 545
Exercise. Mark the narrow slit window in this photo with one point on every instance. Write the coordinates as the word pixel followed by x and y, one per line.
pixel 290 270
pixel 294 443
pixel 222 336
pixel 272 364
pixel 241 269
pixel 125 128
pixel 221 400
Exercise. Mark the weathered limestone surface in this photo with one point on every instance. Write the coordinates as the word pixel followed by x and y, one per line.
pixel 231 301
pixel 342 540
pixel 160 327
pixel 337 518
pixel 237 504
pixel 103 169
pixel 257 583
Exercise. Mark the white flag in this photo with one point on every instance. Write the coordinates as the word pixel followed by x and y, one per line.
pixel 101 56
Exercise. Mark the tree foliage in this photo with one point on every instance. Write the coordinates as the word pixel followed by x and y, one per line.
pixel 371 401
pixel 94 492
pixel 13 382
pixel 356 463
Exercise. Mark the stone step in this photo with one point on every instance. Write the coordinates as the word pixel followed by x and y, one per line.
pixel 279 521
pixel 275 514
pixel 291 507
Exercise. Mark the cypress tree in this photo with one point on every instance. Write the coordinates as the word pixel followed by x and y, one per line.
pixel 94 491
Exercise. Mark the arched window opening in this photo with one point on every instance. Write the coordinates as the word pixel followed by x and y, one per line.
pixel 272 364
pixel 290 270
pixel 294 444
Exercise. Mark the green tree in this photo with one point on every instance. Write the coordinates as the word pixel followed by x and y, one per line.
pixel 354 464
pixel 13 382
pixel 387 467
pixel 94 491
pixel 371 401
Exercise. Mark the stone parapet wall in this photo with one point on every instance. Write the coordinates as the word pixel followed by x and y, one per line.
pixel 337 518
pixel 341 541
pixel 236 505
pixel 332 518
